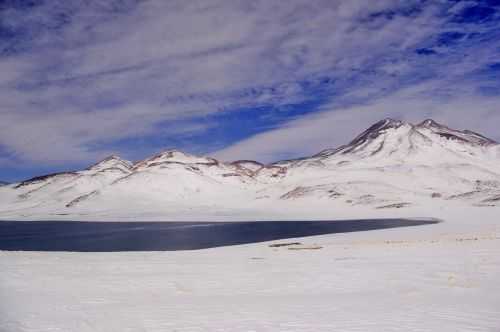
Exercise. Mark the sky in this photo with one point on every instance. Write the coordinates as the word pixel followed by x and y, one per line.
pixel 264 80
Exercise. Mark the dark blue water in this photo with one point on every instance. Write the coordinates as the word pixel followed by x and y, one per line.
pixel 164 236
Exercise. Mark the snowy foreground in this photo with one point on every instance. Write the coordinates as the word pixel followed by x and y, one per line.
pixel 441 277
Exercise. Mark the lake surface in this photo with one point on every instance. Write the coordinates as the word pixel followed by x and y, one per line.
pixel 166 236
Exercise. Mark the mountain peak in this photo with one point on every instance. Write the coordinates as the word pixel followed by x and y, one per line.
pixel 390 122
pixel 386 123
pixel 172 153
pixel 173 156
pixel 112 161
pixel 430 123
pixel 395 137
pixel 375 130
pixel 112 157
pixel 464 136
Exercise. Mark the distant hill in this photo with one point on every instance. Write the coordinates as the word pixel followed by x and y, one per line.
pixel 391 165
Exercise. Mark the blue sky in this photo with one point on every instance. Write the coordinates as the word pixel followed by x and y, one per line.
pixel 264 80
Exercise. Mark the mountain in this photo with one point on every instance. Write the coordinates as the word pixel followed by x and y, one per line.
pixel 400 163
pixel 3 183
pixel 391 165
pixel 393 141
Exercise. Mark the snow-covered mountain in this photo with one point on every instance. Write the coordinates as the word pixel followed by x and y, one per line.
pixel 3 183
pixel 391 165
pixel 395 164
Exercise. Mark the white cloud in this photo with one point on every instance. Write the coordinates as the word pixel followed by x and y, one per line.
pixel 334 127
pixel 116 72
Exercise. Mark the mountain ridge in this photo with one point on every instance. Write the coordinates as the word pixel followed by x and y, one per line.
pixel 175 155
pixel 391 165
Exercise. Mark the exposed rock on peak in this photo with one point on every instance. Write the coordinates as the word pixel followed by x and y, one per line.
pixel 393 141
pixel 375 130
pixel 111 162
pixel 272 172
pixel 250 165
pixel 430 123
pixel 463 136
pixel 369 134
pixel 46 177
pixel 174 156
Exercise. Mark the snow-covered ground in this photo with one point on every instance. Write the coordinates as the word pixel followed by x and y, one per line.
pixel 440 277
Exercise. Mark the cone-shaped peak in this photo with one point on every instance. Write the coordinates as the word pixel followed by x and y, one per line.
pixel 464 136
pixel 173 156
pixel 430 123
pixel 390 122
pixel 179 156
pixel 111 161
pixel 376 129
pixel 112 157
pixel 173 153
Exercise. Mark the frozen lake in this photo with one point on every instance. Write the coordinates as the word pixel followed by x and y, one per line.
pixel 168 236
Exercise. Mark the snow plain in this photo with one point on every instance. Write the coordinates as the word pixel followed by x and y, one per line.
pixel 440 277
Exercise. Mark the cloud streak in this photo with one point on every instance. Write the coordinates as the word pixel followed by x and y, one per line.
pixel 78 77
pixel 332 126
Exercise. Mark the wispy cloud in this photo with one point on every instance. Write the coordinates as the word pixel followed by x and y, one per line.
pixel 333 126
pixel 78 77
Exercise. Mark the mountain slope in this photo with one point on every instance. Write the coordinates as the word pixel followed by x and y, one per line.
pixel 395 142
pixel 393 162
pixel 391 165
